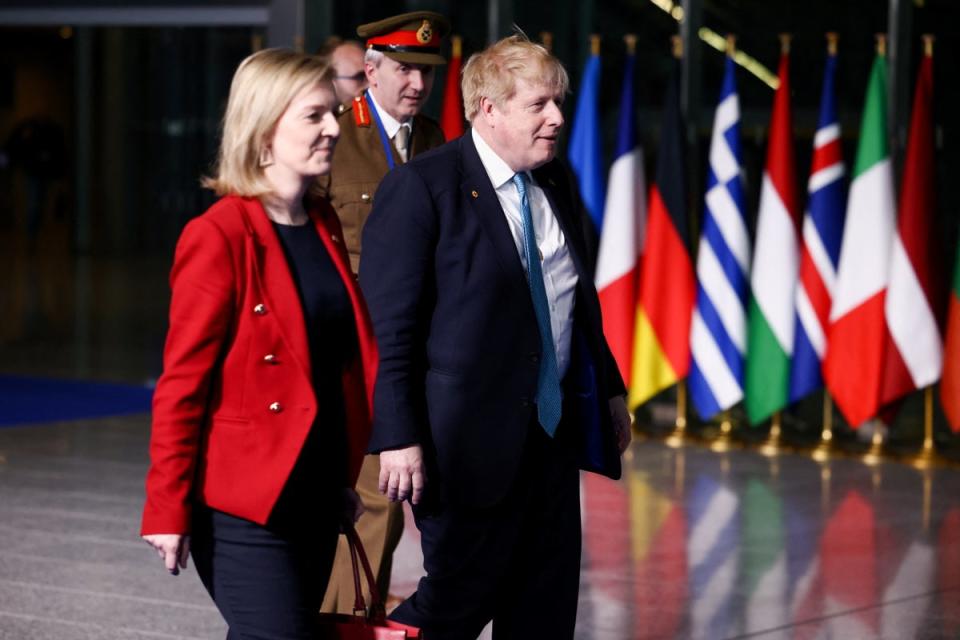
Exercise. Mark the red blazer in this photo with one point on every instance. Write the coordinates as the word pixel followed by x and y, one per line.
pixel 235 401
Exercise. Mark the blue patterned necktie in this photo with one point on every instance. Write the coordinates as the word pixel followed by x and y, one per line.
pixel 549 397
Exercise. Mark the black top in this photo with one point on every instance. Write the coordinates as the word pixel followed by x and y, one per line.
pixel 331 334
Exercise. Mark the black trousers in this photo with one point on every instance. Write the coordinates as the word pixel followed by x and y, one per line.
pixel 517 563
pixel 268 582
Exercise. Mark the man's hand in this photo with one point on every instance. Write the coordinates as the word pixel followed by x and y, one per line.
pixel 621 422
pixel 402 474
pixel 173 548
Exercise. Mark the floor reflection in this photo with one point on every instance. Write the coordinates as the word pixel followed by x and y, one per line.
pixel 693 544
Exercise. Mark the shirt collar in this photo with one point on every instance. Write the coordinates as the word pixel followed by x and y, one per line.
pixel 497 169
pixel 390 124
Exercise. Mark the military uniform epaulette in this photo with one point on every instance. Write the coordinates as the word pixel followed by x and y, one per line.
pixel 360 109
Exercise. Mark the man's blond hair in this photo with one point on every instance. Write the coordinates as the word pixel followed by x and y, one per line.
pixel 493 72
pixel 262 88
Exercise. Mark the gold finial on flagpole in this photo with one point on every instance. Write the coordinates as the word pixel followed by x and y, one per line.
pixel 785 39
pixel 547 39
pixel 676 45
pixel 631 40
pixel 256 42
pixel 832 39
pixel 928 44
pixel 456 46
pixel 594 44
pixel 881 44
pixel 731 45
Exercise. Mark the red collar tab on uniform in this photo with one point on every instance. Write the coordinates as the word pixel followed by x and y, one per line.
pixel 361 111
pixel 424 38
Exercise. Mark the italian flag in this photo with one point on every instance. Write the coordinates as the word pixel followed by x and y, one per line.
pixel 950 384
pixel 776 261
pixel 853 366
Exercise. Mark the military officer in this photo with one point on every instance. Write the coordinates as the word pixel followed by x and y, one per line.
pixel 379 130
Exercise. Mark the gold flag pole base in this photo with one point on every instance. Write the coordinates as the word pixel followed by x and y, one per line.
pixel 678 438
pixel 824 450
pixel 772 447
pixel 874 455
pixel 927 458
pixel 724 441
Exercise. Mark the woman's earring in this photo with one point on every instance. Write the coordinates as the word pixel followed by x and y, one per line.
pixel 266 158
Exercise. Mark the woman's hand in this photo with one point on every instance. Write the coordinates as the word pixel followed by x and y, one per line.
pixel 174 548
pixel 352 507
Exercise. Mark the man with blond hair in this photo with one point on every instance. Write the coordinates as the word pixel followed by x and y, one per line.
pixel 495 383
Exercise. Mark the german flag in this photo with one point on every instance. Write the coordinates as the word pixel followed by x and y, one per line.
pixel 661 345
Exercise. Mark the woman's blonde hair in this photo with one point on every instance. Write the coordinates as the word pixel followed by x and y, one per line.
pixel 262 88
pixel 493 72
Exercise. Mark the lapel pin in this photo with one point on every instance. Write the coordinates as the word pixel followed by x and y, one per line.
pixel 475 194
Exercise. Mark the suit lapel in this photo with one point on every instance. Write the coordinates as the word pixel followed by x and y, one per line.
pixel 475 188
pixel 276 283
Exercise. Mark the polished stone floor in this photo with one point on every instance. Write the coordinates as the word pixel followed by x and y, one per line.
pixel 690 544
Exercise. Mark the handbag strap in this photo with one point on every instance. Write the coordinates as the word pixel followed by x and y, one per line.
pixel 377 611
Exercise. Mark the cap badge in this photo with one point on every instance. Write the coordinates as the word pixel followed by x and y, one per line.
pixel 425 32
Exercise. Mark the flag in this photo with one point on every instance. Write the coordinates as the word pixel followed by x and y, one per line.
pixel 950 385
pixel 905 614
pixel 853 365
pixel 584 151
pixel 821 234
pixel 661 339
pixel 621 237
pixel 718 329
pixel 451 115
pixel 914 347
pixel 773 275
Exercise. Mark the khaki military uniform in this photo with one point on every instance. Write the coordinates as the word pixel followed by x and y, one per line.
pixel 359 164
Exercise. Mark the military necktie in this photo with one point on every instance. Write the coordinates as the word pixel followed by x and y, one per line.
pixel 549 396
pixel 401 141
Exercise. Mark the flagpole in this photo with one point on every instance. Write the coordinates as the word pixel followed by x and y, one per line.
pixel 678 438
pixel 874 454
pixel 927 457
pixel 724 440
pixel 824 450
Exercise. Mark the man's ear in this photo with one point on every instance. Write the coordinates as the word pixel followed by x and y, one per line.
pixel 371 71
pixel 487 107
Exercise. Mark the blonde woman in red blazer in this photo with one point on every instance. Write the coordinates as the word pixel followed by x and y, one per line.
pixel 262 415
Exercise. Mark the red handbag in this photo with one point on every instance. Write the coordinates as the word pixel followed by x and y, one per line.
pixel 363 625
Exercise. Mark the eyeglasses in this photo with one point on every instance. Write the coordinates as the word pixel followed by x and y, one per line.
pixel 359 76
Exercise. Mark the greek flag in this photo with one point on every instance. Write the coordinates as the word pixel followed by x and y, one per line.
pixel 718 334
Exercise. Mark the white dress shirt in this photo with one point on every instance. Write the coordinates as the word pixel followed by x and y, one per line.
pixel 390 124
pixel 559 273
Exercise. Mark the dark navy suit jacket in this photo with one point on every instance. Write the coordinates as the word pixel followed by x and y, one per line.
pixel 457 335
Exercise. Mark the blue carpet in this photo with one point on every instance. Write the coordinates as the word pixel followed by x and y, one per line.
pixel 34 400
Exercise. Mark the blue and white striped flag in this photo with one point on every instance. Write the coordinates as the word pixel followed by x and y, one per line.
pixel 718 334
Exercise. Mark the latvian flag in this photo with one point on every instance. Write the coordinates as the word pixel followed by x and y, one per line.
pixel 718 331
pixel 914 348
pixel 820 249
pixel 661 346
pixel 853 367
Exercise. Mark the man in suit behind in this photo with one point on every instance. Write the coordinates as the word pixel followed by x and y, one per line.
pixel 495 381
pixel 380 129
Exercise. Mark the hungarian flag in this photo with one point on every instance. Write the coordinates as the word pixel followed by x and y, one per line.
pixel 661 342
pixel 773 277
pixel 820 245
pixel 583 151
pixel 621 238
pixel 853 366
pixel 914 348
pixel 950 385
pixel 451 117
